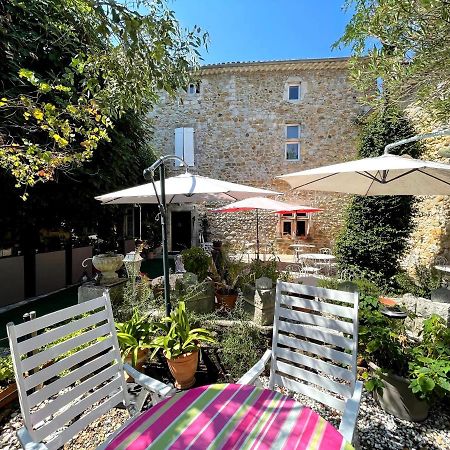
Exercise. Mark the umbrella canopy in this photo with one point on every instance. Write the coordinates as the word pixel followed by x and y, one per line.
pixel 185 188
pixel 257 203
pixel 383 175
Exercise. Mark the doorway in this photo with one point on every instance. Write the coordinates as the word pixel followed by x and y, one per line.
pixel 181 230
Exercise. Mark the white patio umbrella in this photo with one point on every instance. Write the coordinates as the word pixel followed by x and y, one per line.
pixel 268 204
pixel 185 188
pixel 382 175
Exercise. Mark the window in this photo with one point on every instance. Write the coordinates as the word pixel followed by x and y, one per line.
pixel 294 92
pixel 184 145
pixel 292 144
pixel 193 88
pixel 301 228
pixel 294 225
pixel 287 228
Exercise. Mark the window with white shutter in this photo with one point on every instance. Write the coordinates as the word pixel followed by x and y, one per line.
pixel 184 145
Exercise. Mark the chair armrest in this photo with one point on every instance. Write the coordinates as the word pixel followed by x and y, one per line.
pixel 348 422
pixel 256 370
pixel 155 387
pixel 27 442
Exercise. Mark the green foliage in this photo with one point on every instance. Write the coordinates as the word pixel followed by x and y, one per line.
pixel 406 44
pixel 81 65
pixel 134 335
pixel 6 370
pixel 137 296
pixel 257 269
pixel 430 366
pixel 376 228
pixel 426 279
pixel 177 336
pixel 241 347
pixel 426 364
pixel 197 261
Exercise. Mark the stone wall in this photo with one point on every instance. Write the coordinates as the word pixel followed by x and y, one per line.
pixel 431 234
pixel 239 120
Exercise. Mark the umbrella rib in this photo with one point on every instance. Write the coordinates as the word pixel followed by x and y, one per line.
pixel 432 176
pixel 315 181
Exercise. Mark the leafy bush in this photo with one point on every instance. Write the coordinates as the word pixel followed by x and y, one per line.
pixel 137 295
pixel 426 279
pixel 376 228
pixel 242 345
pixel 6 370
pixel 257 269
pixel 197 261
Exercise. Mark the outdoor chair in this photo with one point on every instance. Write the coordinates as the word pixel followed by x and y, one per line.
pixel 314 349
pixel 69 372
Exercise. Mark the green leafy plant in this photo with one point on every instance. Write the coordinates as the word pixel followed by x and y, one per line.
pixel 241 346
pixel 197 261
pixel 177 337
pixel 257 269
pixel 6 370
pixel 134 335
pixel 430 367
pixel 425 280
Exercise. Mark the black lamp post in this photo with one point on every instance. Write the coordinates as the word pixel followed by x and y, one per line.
pixel 149 174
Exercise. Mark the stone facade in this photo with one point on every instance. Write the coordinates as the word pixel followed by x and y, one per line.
pixel 239 119
pixel 431 234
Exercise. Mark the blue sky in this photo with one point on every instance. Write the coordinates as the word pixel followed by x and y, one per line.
pixel 249 30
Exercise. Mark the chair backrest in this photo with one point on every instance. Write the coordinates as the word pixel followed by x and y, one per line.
pixel 314 345
pixel 325 251
pixel 68 370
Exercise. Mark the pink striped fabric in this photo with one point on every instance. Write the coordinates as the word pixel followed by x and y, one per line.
pixel 229 416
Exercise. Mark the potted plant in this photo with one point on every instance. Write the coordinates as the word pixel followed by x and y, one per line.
pixel 180 345
pixel 227 288
pixel 8 388
pixel 134 337
pixel 405 376
pixel 258 292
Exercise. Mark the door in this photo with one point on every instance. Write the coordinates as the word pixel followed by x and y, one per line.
pixel 181 230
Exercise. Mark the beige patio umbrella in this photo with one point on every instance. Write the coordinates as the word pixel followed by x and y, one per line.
pixel 382 175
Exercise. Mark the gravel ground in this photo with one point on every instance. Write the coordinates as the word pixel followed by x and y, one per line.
pixel 376 429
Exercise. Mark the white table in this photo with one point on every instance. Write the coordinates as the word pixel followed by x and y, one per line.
pixel 317 256
pixel 298 248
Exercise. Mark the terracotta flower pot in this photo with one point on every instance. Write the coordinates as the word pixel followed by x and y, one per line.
pixel 226 300
pixel 183 369
pixel 386 301
pixel 141 359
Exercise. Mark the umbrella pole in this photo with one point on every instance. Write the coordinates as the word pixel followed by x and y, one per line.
pixel 163 211
pixel 257 234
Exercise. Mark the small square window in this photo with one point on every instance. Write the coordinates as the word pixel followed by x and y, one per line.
pixel 287 228
pixel 292 131
pixel 293 151
pixel 193 88
pixel 294 92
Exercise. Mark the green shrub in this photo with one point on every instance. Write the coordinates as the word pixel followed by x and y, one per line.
pixel 242 345
pixel 426 279
pixel 197 261
pixel 257 269
pixel 6 370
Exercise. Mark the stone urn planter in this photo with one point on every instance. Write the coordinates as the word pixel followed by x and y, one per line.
pixel 183 369
pixel 200 297
pixel 107 265
pixel 396 398
pixel 259 301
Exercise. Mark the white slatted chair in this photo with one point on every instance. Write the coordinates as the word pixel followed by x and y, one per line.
pixel 60 399
pixel 314 349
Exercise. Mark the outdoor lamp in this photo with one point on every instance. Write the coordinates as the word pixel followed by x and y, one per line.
pixel 132 262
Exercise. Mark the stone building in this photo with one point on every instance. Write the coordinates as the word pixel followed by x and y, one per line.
pixel 248 123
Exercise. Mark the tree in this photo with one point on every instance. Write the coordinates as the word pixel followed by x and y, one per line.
pixel 376 228
pixel 406 47
pixel 70 68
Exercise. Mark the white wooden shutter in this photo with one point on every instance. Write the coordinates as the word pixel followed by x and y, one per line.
pixel 189 146
pixel 179 144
